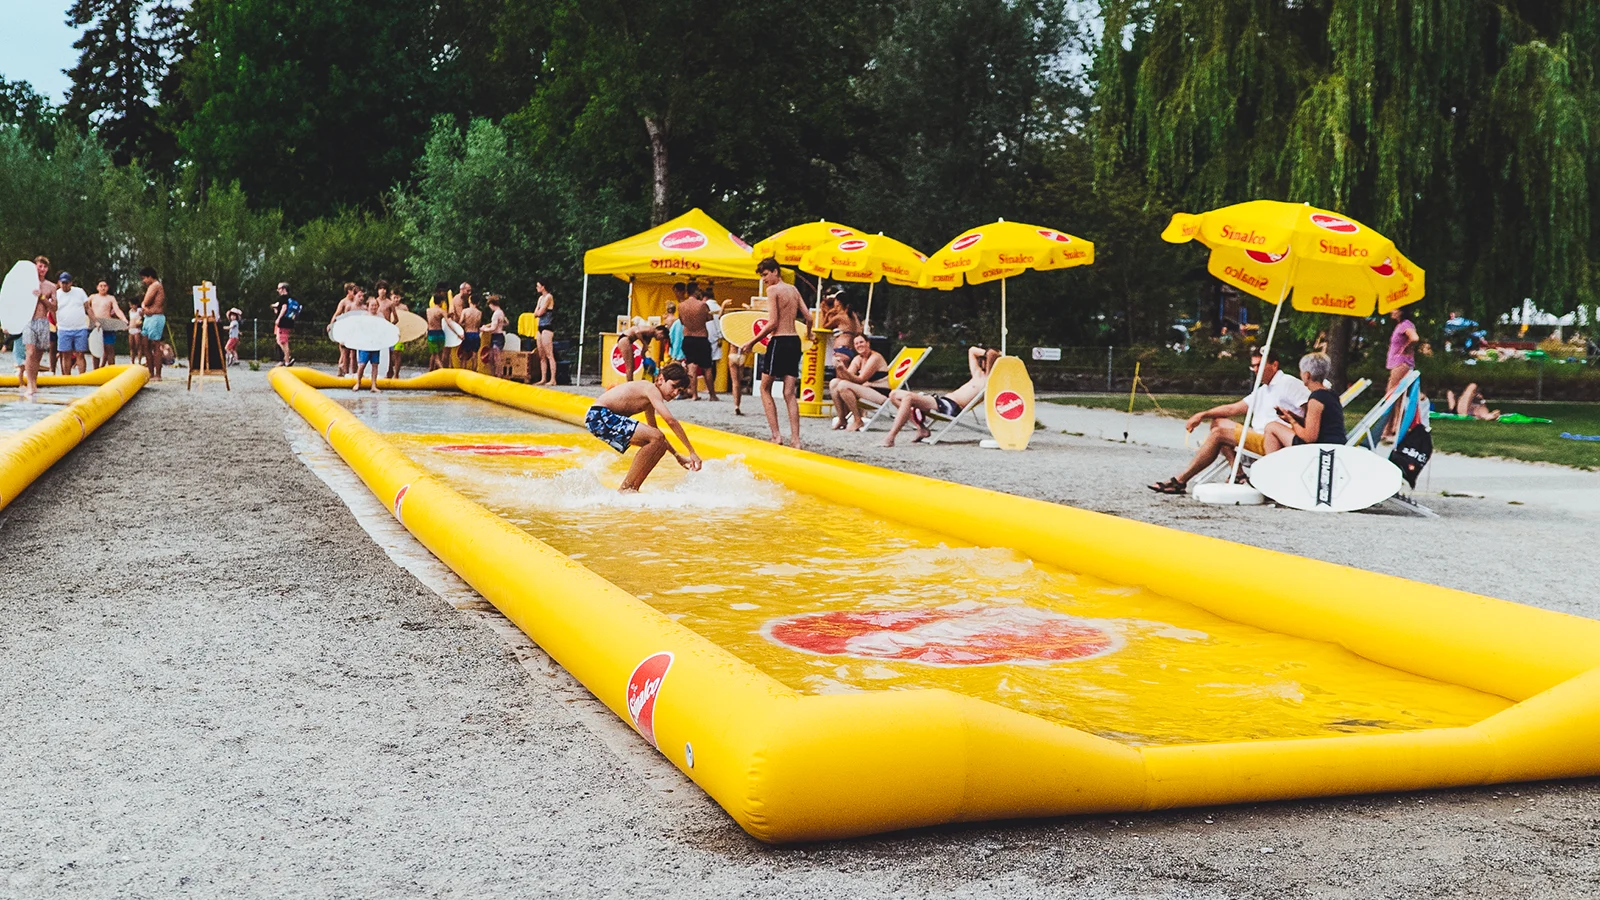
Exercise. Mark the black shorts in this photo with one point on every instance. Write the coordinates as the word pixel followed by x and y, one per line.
pixel 783 356
pixel 944 406
pixel 697 351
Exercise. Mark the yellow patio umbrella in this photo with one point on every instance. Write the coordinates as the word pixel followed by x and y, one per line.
pixel 867 259
pixel 1331 263
pixel 999 251
pixel 790 245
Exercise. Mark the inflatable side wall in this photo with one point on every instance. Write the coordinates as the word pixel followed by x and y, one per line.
pixel 27 454
pixel 792 767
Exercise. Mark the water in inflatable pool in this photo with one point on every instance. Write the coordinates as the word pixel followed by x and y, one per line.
pixel 825 597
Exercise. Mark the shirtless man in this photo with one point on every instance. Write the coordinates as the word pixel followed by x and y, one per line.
pixel 365 358
pixel 154 310
pixel 694 314
pixel 642 333
pixel 347 357
pixel 397 303
pixel 437 309
pixel 608 419
pixel 36 337
pixel 906 403
pixel 783 351
pixel 104 307
pixel 495 332
pixel 471 321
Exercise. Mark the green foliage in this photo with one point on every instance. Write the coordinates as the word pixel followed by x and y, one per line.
pixel 24 111
pixel 124 53
pixel 56 202
pixel 350 245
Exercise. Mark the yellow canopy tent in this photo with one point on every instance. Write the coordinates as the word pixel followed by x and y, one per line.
pixel 691 246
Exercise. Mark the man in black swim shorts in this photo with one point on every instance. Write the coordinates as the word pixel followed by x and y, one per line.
pixel 784 305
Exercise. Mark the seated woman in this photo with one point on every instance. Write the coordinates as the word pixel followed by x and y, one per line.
pixel 1470 403
pixel 910 403
pixel 1323 422
pixel 865 376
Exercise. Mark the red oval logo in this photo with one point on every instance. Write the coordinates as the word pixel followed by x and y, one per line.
pixel 852 246
pixel 1334 223
pixel 962 634
pixel 965 241
pixel 1386 268
pixel 809 395
pixel 616 357
pixel 644 686
pixel 1009 404
pixel 1265 258
pixel 739 242
pixel 838 232
pixel 1050 234
pixel 683 240
pixel 901 370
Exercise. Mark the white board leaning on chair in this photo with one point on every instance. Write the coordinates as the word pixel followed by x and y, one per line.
pixel 1326 477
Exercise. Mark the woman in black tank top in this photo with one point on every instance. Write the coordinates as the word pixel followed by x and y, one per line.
pixel 1323 422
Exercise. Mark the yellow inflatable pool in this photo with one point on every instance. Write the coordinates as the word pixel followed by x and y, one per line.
pixel 831 649
pixel 26 454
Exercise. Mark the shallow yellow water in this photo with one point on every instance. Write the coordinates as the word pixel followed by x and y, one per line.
pixel 828 598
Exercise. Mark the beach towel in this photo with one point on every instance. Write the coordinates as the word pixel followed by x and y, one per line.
pixel 1580 437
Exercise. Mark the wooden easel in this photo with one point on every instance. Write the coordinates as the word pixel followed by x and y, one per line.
pixel 204 331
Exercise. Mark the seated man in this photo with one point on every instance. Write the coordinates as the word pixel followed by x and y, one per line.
pixel 1278 389
pixel 1323 422
pixel 909 403
pixel 864 376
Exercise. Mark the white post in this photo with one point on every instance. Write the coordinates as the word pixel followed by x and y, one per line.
pixel 1002 317
pixel 1250 415
pixel 583 326
pixel 866 324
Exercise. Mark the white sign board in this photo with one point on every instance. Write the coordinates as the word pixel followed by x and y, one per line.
pixel 1047 354
pixel 205 300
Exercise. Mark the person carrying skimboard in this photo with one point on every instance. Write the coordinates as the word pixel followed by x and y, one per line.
pixel 608 419
pixel 784 304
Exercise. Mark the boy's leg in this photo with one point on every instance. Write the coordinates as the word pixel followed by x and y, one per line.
pixel 791 399
pixel 770 407
pixel 652 446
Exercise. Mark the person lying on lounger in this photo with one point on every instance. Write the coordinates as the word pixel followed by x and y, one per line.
pixel 909 404
pixel 863 376
pixel 1470 403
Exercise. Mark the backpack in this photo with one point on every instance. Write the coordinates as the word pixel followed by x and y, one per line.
pixel 291 310
pixel 1412 452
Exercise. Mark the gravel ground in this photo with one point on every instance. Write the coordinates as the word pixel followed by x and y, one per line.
pixel 216 683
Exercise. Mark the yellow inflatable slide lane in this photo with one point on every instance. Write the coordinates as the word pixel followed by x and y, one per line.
pixel 26 455
pixel 790 766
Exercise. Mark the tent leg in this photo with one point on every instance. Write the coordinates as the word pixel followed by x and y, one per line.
pixel 1244 431
pixel 1002 317
pixel 583 327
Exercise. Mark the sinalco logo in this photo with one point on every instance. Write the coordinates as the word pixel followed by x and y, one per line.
pixel 965 241
pixel 1009 405
pixel 644 686
pixel 852 246
pixel 683 240
pixel 1335 224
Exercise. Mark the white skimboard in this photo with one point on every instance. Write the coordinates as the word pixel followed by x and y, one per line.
pixel 452 333
pixel 1218 494
pixel 1326 477
pixel 97 343
pixel 412 326
pixel 364 331
pixel 513 343
pixel 17 296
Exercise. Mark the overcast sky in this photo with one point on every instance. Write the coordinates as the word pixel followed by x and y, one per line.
pixel 38 45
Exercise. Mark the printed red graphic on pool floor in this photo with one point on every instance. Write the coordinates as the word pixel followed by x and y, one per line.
pixel 502 449
pixel 963 634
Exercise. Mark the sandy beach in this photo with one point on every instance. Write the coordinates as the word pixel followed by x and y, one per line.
pixel 225 673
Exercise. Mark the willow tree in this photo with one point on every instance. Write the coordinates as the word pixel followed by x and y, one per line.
pixel 1464 130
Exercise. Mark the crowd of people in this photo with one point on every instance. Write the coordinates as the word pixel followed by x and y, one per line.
pixel 56 339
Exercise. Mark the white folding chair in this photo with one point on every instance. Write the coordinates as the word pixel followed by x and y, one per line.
pixel 953 421
pixel 905 363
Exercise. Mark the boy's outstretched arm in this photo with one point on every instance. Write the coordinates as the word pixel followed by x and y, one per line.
pixel 658 406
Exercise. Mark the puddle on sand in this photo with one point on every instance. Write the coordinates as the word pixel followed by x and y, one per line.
pixel 829 598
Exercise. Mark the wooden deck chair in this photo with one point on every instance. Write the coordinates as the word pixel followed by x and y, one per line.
pixel 1219 470
pixel 904 365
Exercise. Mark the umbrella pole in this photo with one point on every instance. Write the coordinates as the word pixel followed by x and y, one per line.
pixel 1244 430
pixel 866 324
pixel 1002 317
pixel 583 325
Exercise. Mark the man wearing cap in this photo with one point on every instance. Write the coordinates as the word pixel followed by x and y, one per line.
pixel 154 308
pixel 36 337
pixel 72 325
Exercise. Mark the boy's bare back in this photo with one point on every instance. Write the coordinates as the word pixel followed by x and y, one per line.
pixel 630 399
pixel 783 305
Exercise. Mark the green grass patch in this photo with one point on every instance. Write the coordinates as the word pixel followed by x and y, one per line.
pixel 1534 443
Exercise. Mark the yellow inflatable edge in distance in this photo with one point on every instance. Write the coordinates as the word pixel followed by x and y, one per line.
pixel 29 453
pixel 792 767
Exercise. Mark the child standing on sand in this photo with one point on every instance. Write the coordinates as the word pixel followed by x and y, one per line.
pixel 608 420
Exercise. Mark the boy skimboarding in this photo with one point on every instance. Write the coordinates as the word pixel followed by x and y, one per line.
pixel 608 420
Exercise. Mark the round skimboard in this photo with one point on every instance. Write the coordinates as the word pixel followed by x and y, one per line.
pixel 740 326
pixel 1326 477
pixel 17 296
pixel 364 331
pixel 513 344
pixel 1218 494
pixel 452 333
pixel 112 325
pixel 97 343
pixel 1008 403
pixel 412 326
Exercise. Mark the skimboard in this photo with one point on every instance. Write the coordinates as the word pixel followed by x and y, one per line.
pixel 740 327
pixel 1326 477
pixel 1219 494
pixel 452 333
pixel 97 343
pixel 513 344
pixel 364 331
pixel 112 325
pixel 412 326
pixel 1008 402
pixel 17 296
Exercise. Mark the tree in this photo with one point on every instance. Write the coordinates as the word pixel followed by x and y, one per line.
pixel 31 115
pixel 124 55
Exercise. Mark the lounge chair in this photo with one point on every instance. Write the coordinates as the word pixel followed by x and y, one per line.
pixel 1218 471
pixel 906 363
pixel 953 421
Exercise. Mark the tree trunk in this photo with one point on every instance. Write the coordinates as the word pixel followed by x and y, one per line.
pixel 1339 353
pixel 660 131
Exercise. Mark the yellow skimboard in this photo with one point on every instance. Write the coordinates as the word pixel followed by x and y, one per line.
pixel 740 327
pixel 1008 401
pixel 412 326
